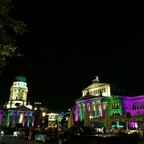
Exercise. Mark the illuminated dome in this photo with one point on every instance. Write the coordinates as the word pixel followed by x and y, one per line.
pixel 20 78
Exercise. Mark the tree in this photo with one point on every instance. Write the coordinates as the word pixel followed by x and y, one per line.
pixel 63 121
pixel 9 28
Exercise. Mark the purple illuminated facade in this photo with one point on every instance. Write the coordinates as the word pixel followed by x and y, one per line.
pixel 13 116
pixel 108 108
pixel 121 109
pixel 134 105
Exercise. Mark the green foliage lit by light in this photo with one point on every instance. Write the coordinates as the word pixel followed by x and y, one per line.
pixel 8 25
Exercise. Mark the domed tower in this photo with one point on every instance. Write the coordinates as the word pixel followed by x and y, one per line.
pixel 18 92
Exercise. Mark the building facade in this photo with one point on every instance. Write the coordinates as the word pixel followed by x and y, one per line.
pixel 52 117
pixel 103 107
pixel 18 111
pixel 41 117
pixel 18 93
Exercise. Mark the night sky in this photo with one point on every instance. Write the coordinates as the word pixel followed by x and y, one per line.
pixel 68 44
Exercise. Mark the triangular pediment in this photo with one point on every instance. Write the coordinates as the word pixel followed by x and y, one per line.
pixel 87 97
pixel 94 85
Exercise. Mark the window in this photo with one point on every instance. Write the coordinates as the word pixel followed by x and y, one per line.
pixel 116 105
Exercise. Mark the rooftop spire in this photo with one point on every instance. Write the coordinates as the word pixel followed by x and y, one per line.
pixel 21 71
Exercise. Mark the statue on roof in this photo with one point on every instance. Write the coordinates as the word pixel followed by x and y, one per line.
pixel 96 79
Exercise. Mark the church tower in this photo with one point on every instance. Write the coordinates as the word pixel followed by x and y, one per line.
pixel 18 93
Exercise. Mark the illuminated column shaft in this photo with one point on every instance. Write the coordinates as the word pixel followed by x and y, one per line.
pixel 94 109
pixel 8 119
pixel 76 113
pixel 91 109
pixel 25 95
pixel 108 91
pixel 120 108
pixel 11 94
pixel 33 119
pixel 99 109
pixel 83 109
pixel 80 113
pixel 14 119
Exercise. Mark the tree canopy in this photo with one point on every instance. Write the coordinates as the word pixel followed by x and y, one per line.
pixel 8 28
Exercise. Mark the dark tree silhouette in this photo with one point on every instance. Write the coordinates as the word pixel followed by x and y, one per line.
pixel 9 27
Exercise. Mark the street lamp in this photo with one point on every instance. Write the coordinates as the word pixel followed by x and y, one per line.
pixel 43 114
pixel 43 119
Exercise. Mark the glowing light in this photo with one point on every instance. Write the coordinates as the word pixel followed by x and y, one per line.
pixel 43 114
pixel 21 118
